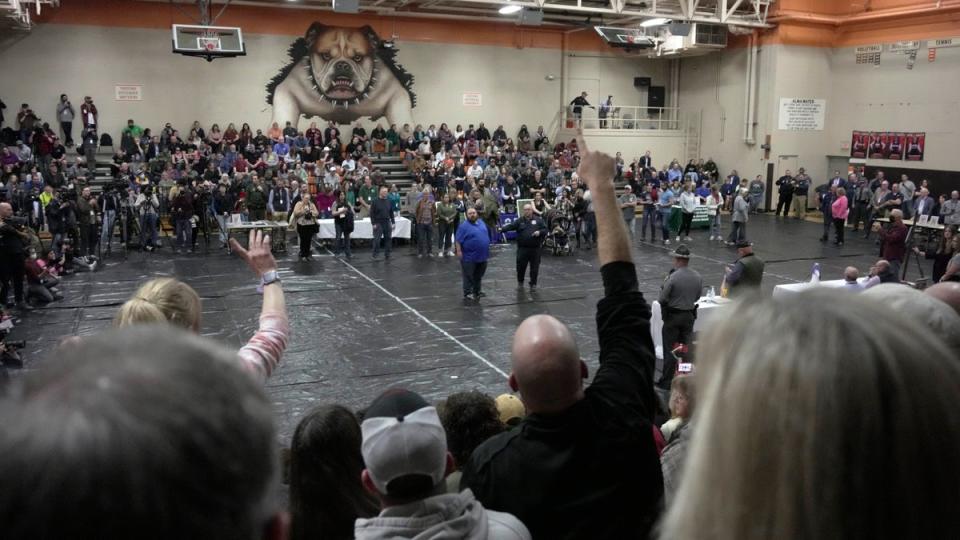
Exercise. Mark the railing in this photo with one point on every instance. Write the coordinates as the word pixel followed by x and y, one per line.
pixel 624 118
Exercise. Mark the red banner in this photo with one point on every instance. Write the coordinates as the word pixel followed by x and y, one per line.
pixel 914 146
pixel 887 145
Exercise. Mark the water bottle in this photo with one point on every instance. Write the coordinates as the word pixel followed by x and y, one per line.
pixel 815 275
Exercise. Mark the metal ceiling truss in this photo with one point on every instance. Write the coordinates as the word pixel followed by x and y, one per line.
pixel 740 15
pixel 743 13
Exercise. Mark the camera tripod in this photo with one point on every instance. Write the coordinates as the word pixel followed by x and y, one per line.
pixel 124 220
pixel 910 255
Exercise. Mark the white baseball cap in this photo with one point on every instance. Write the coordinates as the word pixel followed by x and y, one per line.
pixel 403 436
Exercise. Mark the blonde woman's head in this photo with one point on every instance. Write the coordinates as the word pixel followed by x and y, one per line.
pixel 682 396
pixel 815 421
pixel 162 300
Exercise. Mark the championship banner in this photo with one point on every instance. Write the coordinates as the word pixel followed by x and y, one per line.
pixel 858 146
pixel 895 145
pixel 889 145
pixel 877 147
pixel 914 146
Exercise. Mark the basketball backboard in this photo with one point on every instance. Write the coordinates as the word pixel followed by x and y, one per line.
pixel 208 41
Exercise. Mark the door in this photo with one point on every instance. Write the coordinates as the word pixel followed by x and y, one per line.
pixel 837 163
pixel 583 75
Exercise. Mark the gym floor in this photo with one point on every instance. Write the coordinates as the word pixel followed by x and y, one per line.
pixel 367 325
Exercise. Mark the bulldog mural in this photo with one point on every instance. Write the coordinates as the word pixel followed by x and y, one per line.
pixel 341 74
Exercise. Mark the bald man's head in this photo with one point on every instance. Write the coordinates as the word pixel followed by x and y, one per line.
pixel 547 369
pixel 947 292
pixel 851 274
pixel 5 210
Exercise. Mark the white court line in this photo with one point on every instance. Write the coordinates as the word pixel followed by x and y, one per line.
pixel 424 319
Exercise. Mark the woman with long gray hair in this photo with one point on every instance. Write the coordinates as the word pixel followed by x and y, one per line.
pixel 852 434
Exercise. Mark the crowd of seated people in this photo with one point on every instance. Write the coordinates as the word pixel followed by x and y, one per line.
pixel 150 431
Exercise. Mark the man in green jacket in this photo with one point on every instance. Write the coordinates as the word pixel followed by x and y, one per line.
pixel 745 275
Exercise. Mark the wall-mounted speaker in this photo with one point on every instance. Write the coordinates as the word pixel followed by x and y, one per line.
pixel 346 6
pixel 656 98
pixel 531 17
pixel 641 82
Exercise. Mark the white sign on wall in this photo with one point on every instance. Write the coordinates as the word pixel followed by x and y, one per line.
pixel 943 43
pixel 903 46
pixel 472 99
pixel 867 49
pixel 128 92
pixel 799 114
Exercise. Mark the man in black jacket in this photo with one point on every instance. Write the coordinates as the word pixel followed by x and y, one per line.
pixel 382 219
pixel 578 104
pixel 12 255
pixel 531 230
pixel 785 198
pixel 583 464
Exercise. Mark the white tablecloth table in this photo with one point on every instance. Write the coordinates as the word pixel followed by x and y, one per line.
pixel 276 229
pixel 707 310
pixel 363 229
pixel 794 288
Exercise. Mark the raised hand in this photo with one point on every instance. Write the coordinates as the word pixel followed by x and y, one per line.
pixel 596 168
pixel 258 254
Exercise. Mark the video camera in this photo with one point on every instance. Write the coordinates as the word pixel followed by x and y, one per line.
pixel 17 222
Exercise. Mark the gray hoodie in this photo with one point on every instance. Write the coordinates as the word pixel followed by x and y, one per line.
pixel 442 517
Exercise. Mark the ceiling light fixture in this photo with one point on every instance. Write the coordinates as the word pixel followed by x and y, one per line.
pixel 659 21
pixel 510 9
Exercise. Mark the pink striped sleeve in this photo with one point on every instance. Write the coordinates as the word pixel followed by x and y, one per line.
pixel 262 353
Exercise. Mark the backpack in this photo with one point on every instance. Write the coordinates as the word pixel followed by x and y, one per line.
pixel 106 140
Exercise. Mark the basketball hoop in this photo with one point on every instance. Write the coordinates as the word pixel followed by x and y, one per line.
pixel 208 42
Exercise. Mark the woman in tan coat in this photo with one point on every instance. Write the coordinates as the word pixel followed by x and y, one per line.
pixel 305 215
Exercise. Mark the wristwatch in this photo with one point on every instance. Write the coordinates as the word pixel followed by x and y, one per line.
pixel 270 277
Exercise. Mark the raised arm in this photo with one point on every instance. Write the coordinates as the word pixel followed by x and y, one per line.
pixel 262 353
pixel 598 170
pixel 625 377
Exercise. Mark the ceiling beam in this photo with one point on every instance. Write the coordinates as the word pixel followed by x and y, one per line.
pixel 627 11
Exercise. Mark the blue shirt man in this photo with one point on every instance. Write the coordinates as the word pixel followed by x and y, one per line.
pixel 674 174
pixel 473 249
pixel 281 148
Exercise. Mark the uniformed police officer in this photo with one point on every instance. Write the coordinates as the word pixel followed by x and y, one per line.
pixel 531 231
pixel 678 307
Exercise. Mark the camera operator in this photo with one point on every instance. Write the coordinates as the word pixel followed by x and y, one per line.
pixel 13 242
pixel 87 220
pixel 181 210
pixel 68 209
pixel 223 204
pixel 147 205
pixel 201 210
pixel 109 205
pixel 56 222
